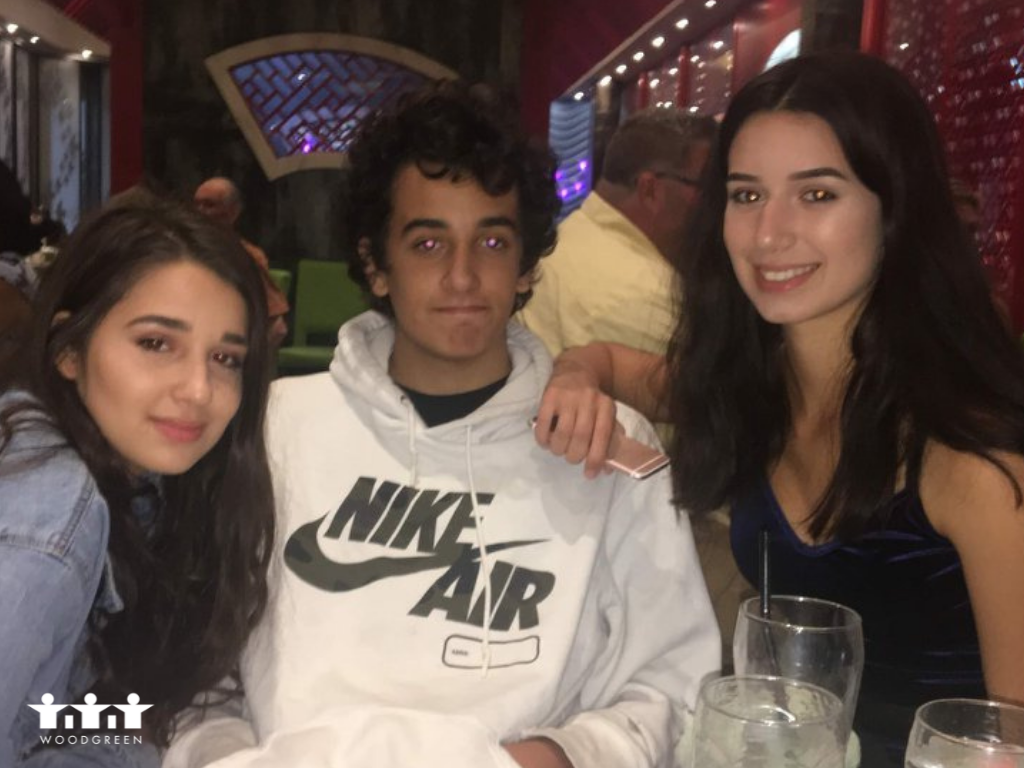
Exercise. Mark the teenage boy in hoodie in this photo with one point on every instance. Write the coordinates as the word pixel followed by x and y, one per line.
pixel 447 593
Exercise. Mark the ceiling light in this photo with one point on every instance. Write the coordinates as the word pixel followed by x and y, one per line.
pixel 717 45
pixel 621 69
pixel 682 23
pixel 655 82
pixel 86 53
pixel 709 4
pixel 904 46
pixel 606 80
pixel 674 71
pixel 638 56
pixel 695 58
pixel 12 28
pixel 658 41
pixel 34 39
pixel 578 95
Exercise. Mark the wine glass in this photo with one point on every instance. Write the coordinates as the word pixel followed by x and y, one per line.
pixel 767 722
pixel 966 733
pixel 816 641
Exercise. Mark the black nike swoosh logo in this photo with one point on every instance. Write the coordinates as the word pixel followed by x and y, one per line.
pixel 305 558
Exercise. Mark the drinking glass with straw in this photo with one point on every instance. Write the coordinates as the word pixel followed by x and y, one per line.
pixel 802 638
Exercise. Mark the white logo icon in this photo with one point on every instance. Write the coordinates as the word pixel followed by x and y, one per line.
pixel 90 710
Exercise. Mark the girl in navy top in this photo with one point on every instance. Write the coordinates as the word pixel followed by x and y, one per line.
pixel 135 505
pixel 841 378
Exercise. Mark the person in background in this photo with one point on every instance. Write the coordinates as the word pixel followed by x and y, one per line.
pixel 15 207
pixel 448 595
pixel 18 279
pixel 841 378
pixel 18 283
pixel 219 199
pixel 46 231
pixel 136 512
pixel 610 277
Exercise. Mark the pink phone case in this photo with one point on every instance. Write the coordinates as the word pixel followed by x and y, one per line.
pixel 632 457
pixel 636 459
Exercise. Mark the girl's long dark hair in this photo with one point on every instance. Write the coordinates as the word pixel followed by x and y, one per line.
pixel 932 359
pixel 194 581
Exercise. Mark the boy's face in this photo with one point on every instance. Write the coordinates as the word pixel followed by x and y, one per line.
pixel 453 254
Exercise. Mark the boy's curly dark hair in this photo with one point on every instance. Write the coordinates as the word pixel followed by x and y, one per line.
pixel 448 128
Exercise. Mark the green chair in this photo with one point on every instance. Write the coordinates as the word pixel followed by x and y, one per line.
pixel 325 298
pixel 282 279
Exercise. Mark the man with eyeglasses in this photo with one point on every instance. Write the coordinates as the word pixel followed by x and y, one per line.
pixel 610 277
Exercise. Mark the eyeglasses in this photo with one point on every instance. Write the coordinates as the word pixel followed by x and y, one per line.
pixel 677 177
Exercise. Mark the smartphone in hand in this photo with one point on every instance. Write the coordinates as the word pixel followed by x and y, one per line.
pixel 636 459
pixel 632 457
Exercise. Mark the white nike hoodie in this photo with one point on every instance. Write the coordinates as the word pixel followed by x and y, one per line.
pixel 387 646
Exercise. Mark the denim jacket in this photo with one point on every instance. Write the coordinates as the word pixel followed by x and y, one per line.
pixel 54 572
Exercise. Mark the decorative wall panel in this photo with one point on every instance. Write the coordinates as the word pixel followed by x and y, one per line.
pixel 23 106
pixel 60 139
pixel 7 102
pixel 571 134
pixel 967 58
pixel 299 98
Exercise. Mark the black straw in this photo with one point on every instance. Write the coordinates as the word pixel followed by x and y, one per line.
pixel 765 581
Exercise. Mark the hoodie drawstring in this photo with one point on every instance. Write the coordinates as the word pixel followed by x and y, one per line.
pixel 410 417
pixel 478 523
pixel 481 542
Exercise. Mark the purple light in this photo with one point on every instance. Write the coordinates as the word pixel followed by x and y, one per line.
pixel 583 165
pixel 558 175
pixel 563 193
pixel 579 186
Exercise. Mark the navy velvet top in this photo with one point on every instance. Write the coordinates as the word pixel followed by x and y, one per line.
pixel 907 584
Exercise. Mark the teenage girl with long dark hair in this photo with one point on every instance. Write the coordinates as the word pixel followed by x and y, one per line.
pixel 841 379
pixel 135 503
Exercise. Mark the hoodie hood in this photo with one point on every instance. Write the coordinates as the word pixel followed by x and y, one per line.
pixel 360 369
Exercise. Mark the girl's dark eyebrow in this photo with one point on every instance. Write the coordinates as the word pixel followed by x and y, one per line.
pixel 810 173
pixel 167 322
pixel 174 324
pixel 814 173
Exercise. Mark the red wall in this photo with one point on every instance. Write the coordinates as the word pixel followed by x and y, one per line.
pixel 966 60
pixel 562 39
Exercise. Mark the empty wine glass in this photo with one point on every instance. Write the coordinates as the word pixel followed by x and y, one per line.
pixel 966 733
pixel 806 639
pixel 767 722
